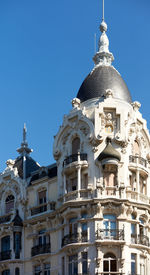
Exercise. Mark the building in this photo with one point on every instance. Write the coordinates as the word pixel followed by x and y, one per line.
pixel 89 212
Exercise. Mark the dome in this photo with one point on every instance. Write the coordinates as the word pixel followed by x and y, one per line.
pixel 101 79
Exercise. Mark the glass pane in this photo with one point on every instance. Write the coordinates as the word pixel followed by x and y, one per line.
pixel 109 217
pixel 133 229
pixel 106 266
pixel 113 265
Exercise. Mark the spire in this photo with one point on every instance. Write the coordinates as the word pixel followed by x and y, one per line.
pixel 24 150
pixel 103 56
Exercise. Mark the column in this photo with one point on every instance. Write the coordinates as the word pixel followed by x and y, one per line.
pixel 79 180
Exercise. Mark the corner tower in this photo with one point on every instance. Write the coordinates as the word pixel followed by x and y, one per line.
pixel 102 157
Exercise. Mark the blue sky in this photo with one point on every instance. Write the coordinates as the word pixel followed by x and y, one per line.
pixel 46 50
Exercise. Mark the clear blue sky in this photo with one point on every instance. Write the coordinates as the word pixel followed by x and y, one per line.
pixel 46 50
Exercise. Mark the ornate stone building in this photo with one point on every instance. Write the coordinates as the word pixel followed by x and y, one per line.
pixel 89 212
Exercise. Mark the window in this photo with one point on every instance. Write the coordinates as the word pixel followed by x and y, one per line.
pixel 6 272
pixel 17 271
pixel 43 239
pixel 17 244
pixel 110 179
pixel 84 263
pixel 133 264
pixel 75 146
pixel 42 197
pixel 109 263
pixel 109 226
pixel 46 269
pixel 136 148
pixel 9 203
pixel 85 181
pixel 71 184
pixel 5 244
pixel 142 185
pixel 37 270
pixel 84 232
pixel 133 230
pixel 73 264
pixel 142 265
pixel 73 227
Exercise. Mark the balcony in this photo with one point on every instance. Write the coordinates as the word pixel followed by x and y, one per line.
pixel 74 238
pixel 82 194
pixel 133 195
pixel 138 160
pixel 40 249
pixel 140 239
pixel 42 208
pixel 5 255
pixel 6 218
pixel 74 158
pixel 110 234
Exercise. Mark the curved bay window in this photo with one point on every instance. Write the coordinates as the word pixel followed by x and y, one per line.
pixel 75 146
pixel 9 203
pixel 109 263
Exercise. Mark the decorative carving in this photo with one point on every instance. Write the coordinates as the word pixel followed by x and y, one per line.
pixel 76 103
pixel 109 93
pixel 136 105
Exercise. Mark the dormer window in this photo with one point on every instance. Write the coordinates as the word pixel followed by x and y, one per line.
pixel 9 203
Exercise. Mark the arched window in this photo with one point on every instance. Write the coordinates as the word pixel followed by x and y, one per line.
pixel 9 203
pixel 110 263
pixel 17 271
pixel 75 145
pixel 136 148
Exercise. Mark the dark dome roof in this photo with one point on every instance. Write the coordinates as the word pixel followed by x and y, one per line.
pixel 109 152
pixel 101 79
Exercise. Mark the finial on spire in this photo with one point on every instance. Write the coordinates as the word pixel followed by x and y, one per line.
pixel 24 133
pixel 24 150
pixel 103 18
pixel 103 56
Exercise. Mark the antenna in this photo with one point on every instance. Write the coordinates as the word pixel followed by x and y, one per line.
pixel 103 10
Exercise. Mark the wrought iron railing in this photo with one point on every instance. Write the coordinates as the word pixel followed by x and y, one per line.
pixel 43 208
pixel 74 238
pixel 5 255
pixel 140 239
pixel 75 157
pixel 40 249
pixel 110 234
pixel 138 160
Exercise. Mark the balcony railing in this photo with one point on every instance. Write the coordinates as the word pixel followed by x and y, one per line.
pixel 140 239
pixel 138 160
pixel 74 238
pixel 5 218
pixel 5 255
pixel 42 208
pixel 75 157
pixel 40 249
pixel 83 194
pixel 110 234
